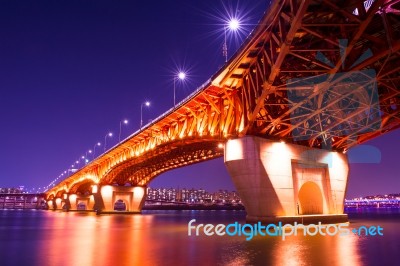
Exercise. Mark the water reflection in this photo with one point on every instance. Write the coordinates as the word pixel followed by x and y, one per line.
pixel 159 238
pixel 69 239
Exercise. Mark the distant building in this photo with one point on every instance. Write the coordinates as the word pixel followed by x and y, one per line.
pixel 11 190
pixel 161 194
pixel 194 196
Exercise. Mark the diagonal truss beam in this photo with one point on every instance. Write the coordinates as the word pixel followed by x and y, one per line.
pixel 275 68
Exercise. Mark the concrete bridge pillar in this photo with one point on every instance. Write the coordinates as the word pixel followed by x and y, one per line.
pixel 58 204
pixel 81 202
pixel 39 202
pixel 51 204
pixel 119 198
pixel 287 182
pixel 66 205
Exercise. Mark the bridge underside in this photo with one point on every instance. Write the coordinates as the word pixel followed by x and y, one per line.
pixel 325 74
pixel 140 171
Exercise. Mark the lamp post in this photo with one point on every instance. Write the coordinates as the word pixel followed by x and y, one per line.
pixel 120 128
pixel 83 159
pixel 86 155
pixel 181 75
pixel 105 139
pixel 94 148
pixel 147 103
pixel 233 25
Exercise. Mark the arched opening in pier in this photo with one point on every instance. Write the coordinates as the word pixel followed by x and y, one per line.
pixel 120 205
pixel 81 206
pixel 310 199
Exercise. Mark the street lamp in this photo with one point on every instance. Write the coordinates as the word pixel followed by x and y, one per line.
pixel 233 25
pixel 86 155
pixel 147 103
pixel 94 148
pixel 85 159
pixel 181 75
pixel 120 128
pixel 105 139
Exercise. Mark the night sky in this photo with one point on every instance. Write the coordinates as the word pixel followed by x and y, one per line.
pixel 70 71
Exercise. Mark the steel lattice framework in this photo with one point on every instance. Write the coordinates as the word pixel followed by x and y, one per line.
pixel 320 73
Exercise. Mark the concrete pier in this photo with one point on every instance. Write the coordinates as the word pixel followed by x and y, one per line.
pixel 283 182
pixel 132 197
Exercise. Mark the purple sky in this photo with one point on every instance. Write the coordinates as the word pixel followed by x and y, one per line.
pixel 70 71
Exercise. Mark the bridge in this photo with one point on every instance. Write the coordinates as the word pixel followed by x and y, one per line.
pixel 313 79
pixel 391 203
pixel 22 201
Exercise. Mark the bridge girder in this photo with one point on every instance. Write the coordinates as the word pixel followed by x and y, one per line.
pixel 325 39
pixel 82 187
pixel 140 171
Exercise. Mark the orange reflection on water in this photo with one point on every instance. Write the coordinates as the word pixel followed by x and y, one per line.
pixel 87 239
pixel 347 248
pixel 67 246
pixel 318 250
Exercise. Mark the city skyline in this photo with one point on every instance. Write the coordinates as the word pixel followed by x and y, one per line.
pixel 160 193
pixel 70 73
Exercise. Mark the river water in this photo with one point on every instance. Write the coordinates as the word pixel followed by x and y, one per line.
pixel 32 237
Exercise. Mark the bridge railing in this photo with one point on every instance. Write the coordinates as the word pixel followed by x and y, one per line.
pixel 162 116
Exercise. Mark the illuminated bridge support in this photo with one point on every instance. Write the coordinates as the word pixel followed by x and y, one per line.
pixel 56 204
pixel 50 204
pixel 287 182
pixel 107 197
pixel 80 202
